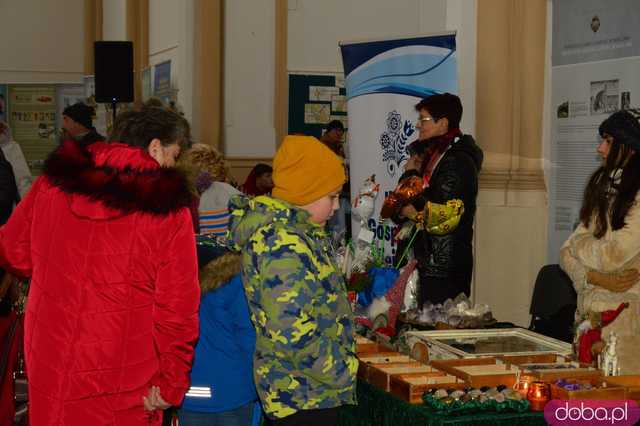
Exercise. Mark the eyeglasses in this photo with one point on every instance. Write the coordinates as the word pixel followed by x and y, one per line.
pixel 425 119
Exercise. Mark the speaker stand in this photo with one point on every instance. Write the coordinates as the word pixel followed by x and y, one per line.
pixel 113 110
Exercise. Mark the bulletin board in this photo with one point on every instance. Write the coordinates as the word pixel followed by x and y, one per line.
pixel 315 100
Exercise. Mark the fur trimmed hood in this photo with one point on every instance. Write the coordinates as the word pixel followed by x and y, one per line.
pixel 219 272
pixel 122 177
pixel 217 263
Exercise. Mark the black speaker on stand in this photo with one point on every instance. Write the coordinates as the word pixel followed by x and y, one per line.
pixel 113 65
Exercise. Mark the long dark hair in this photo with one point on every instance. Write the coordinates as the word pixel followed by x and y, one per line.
pixel 600 201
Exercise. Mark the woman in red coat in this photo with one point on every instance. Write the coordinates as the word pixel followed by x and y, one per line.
pixel 106 237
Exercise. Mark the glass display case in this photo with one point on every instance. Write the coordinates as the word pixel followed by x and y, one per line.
pixel 451 344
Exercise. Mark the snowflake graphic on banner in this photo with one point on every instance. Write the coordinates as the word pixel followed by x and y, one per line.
pixel 394 141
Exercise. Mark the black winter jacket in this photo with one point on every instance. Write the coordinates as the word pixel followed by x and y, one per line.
pixel 449 258
pixel 91 137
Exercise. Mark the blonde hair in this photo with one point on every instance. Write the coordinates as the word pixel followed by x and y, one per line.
pixel 206 158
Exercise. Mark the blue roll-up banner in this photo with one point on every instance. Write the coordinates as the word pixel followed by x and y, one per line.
pixel 384 81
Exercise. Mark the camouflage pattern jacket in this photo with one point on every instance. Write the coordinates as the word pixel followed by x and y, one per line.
pixel 305 352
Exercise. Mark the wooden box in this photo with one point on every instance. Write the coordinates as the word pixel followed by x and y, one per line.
pixel 478 372
pixel 533 359
pixel 366 346
pixel 379 358
pixel 554 367
pixel 601 390
pixel 631 383
pixel 380 374
pixel 411 387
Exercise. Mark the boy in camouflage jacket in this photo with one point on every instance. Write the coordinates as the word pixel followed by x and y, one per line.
pixel 304 363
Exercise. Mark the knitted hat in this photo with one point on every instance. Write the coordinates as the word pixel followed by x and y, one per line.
pixel 443 105
pixel 305 170
pixel 624 127
pixel 80 113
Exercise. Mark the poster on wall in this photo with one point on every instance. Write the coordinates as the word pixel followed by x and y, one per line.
pixel 595 64
pixel 162 81
pixel 33 121
pixel 66 95
pixel 384 80
pixel 314 101
pixel 3 102
pixel 103 118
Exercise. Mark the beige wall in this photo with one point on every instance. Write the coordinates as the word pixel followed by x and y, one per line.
pixel 42 42
pixel 114 19
pixel 249 78
pixel 316 27
pixel 511 221
pixel 171 37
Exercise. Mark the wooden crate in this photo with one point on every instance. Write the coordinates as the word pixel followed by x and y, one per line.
pixel 533 359
pixel 478 372
pixel 631 383
pixel 550 376
pixel 378 358
pixel 578 370
pixel 572 369
pixel 366 346
pixel 410 387
pixel 601 390
pixel 380 374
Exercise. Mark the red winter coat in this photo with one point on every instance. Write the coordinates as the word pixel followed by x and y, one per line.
pixel 106 236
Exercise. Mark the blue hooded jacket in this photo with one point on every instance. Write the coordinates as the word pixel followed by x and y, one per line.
pixel 222 373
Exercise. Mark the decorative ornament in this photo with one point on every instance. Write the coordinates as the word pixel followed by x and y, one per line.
pixel 609 358
pixel 589 332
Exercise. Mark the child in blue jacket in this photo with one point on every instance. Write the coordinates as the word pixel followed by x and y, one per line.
pixel 222 389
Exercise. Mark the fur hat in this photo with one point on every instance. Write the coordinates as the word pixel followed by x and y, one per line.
pixel 80 113
pixel 305 170
pixel 623 127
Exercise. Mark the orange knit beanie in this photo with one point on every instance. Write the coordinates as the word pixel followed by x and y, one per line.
pixel 305 170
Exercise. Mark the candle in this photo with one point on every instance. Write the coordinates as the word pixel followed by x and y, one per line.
pixel 522 386
pixel 538 395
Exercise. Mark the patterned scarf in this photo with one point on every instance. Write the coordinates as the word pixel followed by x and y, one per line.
pixel 436 147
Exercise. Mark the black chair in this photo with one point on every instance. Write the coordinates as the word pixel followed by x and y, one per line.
pixel 553 304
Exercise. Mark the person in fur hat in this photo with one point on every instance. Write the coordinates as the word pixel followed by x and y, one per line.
pixel 602 256
pixel 222 390
pixel 106 236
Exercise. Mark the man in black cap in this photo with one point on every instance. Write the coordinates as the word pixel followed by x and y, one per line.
pixel 333 137
pixel 77 124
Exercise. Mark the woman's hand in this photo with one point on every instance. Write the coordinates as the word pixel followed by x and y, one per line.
pixel 154 401
pixel 413 163
pixel 618 282
pixel 408 211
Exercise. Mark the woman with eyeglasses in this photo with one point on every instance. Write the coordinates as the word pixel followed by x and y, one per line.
pixel 448 162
